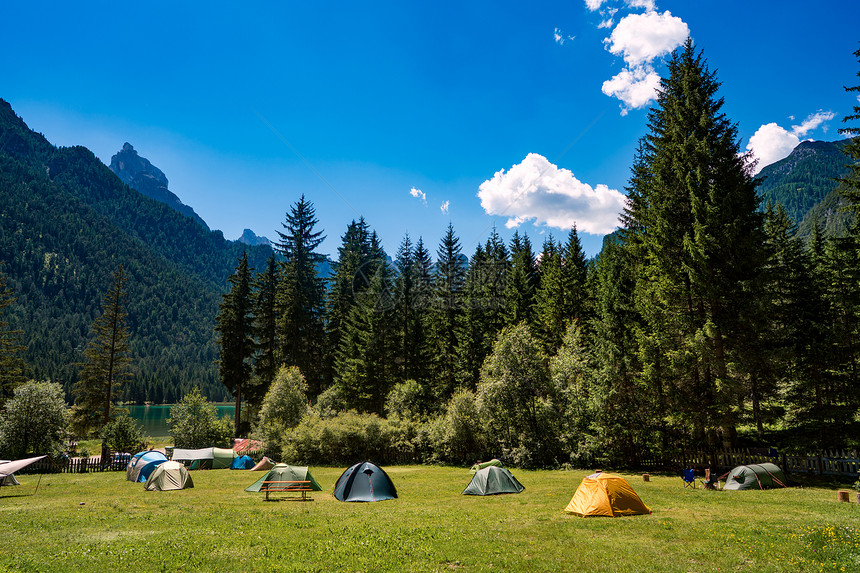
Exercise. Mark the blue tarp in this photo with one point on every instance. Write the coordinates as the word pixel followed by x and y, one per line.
pixel 242 463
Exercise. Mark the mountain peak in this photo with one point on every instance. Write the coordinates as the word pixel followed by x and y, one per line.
pixel 138 173
pixel 250 238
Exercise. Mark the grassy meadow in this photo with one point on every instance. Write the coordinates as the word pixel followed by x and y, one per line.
pixel 96 522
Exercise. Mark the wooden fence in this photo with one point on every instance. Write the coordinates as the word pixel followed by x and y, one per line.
pixel 827 462
pixel 75 465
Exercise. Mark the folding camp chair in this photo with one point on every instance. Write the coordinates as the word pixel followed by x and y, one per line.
pixel 689 477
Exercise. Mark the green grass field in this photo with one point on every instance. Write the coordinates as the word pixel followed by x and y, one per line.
pixel 96 522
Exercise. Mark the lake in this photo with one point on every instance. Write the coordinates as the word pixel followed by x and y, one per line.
pixel 154 418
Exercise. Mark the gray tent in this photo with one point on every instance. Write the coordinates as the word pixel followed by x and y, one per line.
pixel 755 476
pixel 493 480
pixel 168 476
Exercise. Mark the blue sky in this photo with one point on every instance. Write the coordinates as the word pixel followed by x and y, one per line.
pixel 513 115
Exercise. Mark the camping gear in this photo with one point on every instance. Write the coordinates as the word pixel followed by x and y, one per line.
pixel 689 477
pixel 142 465
pixel 169 476
pixel 263 465
pixel 212 458
pixel 603 494
pixel 242 463
pixel 482 465
pixel 493 480
pixel 284 472
pixel 755 476
pixel 364 481
pixel 8 467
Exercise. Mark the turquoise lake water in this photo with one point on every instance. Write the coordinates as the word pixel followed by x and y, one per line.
pixel 154 418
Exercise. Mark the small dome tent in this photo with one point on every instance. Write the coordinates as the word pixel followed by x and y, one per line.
pixel 364 481
pixel 169 476
pixel 284 472
pixel 493 480
pixel 481 465
pixel 608 495
pixel 755 476
pixel 142 464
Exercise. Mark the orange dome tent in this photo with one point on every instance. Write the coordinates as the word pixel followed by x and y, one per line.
pixel 607 495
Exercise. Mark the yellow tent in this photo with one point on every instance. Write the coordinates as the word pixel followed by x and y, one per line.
pixel 607 495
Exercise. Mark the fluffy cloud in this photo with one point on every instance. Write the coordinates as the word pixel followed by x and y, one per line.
pixel 647 4
pixel 594 4
pixel 770 142
pixel 812 122
pixel 635 88
pixel 641 38
pixel 418 194
pixel 540 191
pixel 444 207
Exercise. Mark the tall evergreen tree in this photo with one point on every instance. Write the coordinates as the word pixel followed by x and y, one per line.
pixel 695 221
pixel 549 298
pixel 448 279
pixel 107 363
pixel 408 315
pixel 520 286
pixel 266 326
pixel 13 369
pixel 851 184
pixel 574 274
pixel 235 327
pixel 301 296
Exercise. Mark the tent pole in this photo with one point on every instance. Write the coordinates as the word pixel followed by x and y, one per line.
pixel 37 484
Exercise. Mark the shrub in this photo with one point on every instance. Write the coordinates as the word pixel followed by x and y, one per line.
pixel 283 407
pixel 194 423
pixel 34 421
pixel 457 436
pixel 122 434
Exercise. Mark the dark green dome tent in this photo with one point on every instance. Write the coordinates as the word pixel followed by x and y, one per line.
pixel 493 480
pixel 755 476
pixel 364 482
pixel 284 472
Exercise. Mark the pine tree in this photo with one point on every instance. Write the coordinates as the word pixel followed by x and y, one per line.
pixel 574 275
pixel 107 362
pixel 265 326
pixel 851 184
pixel 409 315
pixel 301 297
pixel 349 277
pixel 448 280
pixel 520 286
pixel 13 369
pixel 694 216
pixel 549 299
pixel 235 328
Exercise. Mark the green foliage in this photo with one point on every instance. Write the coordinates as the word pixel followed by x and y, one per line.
pixel 518 401
pixel 107 360
pixel 446 314
pixel 13 369
pixel 122 434
pixel 350 436
pixel 34 421
pixel 458 435
pixel 194 423
pixel 284 406
pixel 406 400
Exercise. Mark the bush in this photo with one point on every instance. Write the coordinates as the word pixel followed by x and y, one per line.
pixel 34 421
pixel 194 423
pixel 406 400
pixel 350 437
pixel 456 436
pixel 122 434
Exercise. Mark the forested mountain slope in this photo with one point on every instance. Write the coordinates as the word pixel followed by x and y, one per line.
pixel 804 178
pixel 66 223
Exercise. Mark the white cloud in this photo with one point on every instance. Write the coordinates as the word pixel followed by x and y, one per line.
pixel 594 4
pixel 770 142
pixel 540 191
pixel 418 194
pixel 812 122
pixel 641 38
pixel 647 4
pixel 560 38
pixel 444 207
pixel 635 88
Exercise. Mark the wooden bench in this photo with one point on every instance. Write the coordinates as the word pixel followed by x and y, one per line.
pixel 303 487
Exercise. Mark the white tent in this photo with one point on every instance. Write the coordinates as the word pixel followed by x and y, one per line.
pixel 8 467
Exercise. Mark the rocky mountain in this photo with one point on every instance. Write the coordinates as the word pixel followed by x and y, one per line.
pixel 139 174
pixel 67 222
pixel 250 238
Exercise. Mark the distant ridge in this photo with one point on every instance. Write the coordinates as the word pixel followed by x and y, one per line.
pixel 250 238
pixel 138 173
